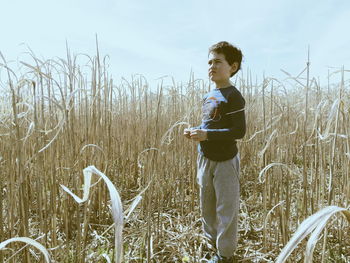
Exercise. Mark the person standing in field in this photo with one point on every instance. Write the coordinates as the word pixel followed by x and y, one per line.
pixel 223 122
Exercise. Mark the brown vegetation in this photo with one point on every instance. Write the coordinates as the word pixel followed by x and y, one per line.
pixel 58 117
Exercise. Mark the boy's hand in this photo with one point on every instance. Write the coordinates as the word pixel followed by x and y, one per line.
pixel 187 133
pixel 199 135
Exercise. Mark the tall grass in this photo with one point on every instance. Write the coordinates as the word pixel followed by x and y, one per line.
pixel 59 116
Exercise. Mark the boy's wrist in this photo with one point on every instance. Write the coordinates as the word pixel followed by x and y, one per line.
pixel 206 134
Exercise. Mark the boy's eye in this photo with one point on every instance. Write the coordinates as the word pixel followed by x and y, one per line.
pixel 215 62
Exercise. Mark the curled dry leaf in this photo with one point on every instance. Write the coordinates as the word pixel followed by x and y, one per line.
pixel 29 241
pixel 117 210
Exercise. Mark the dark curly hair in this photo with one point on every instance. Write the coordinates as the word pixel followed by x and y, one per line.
pixel 232 54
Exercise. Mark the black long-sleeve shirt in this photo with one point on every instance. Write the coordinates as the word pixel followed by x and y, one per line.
pixel 224 120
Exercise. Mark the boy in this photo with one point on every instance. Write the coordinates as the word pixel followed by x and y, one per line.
pixel 218 160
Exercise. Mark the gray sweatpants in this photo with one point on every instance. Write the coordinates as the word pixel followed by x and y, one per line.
pixel 219 201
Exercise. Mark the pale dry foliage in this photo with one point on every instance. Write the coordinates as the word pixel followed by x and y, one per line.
pixel 59 116
pixel 314 225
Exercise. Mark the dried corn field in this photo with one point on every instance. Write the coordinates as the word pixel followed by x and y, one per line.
pixel 59 116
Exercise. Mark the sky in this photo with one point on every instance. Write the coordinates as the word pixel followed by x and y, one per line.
pixel 171 38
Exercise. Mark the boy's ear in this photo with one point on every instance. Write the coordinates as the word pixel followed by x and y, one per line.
pixel 234 67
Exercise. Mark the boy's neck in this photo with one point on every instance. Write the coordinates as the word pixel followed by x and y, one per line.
pixel 221 85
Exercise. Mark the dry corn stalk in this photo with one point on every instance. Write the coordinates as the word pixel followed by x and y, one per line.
pixel 117 210
pixel 30 242
pixel 313 224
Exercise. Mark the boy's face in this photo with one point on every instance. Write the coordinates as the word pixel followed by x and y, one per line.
pixel 219 69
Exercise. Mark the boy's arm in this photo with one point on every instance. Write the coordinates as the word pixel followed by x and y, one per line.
pixel 236 123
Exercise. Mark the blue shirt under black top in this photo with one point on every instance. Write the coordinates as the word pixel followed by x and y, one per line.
pixel 224 120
